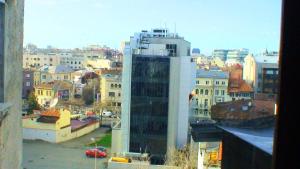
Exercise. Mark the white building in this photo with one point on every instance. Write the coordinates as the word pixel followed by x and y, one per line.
pixel 231 56
pixel 158 75
pixel 73 61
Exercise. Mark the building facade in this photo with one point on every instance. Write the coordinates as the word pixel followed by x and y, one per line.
pixel 47 92
pixel 231 56
pixel 28 82
pixel 110 91
pixel 40 59
pixel 211 88
pixel 261 72
pixel 157 78
pixel 59 72
pixel 73 61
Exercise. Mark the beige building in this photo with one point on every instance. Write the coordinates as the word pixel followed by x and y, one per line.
pixel 98 63
pixel 211 88
pixel 110 90
pixel 261 72
pixel 59 72
pixel 37 60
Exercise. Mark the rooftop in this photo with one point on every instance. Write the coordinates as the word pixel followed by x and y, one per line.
pixel 242 86
pixel 266 59
pixel 212 74
pixel 262 139
pixel 51 113
pixel 241 110
pixel 55 84
pixel 56 69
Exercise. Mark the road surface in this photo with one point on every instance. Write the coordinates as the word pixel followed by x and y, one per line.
pixel 67 155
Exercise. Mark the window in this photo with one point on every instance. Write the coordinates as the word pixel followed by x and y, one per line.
pixel 51 59
pixel 119 85
pixel 223 92
pixel 43 76
pixel 197 82
pixel 112 85
pixel 217 92
pixel 206 92
pixel 207 82
pixel 66 77
pixel 197 91
pixel 27 84
pixel 205 103
pixel 111 94
pixel 223 83
pixel 116 85
pixel 119 94
pixel 201 91
pixel 114 103
pixel 217 82
pixel 119 104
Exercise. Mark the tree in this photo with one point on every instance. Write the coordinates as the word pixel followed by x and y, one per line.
pixel 185 158
pixel 88 95
pixel 32 103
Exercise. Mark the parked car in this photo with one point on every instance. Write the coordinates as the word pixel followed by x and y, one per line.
pixel 106 114
pixel 95 152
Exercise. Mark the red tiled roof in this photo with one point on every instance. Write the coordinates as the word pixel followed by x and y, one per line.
pixel 234 110
pixel 242 86
pixel 51 113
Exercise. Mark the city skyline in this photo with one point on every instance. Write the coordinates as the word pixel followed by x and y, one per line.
pixel 206 24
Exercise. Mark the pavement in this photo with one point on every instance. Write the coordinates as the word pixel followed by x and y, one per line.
pixel 67 155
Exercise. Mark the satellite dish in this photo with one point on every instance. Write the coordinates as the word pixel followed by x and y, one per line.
pixel 53 102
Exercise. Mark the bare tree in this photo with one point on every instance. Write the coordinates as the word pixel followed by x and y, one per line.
pixel 185 158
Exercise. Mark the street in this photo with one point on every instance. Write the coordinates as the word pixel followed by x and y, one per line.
pixel 68 155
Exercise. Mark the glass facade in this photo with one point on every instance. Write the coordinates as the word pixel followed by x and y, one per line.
pixel 270 80
pixel 149 104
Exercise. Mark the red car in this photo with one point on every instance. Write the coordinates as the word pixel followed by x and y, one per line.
pixel 95 152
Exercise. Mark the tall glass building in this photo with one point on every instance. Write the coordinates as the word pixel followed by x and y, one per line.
pixel 158 76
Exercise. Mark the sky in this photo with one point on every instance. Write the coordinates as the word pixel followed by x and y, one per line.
pixel 207 24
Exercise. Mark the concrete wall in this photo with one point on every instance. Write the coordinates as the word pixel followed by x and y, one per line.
pixel 11 128
pixel 116 144
pixel 182 80
pixel 126 98
pixel 137 165
pixel 35 134
pixel 56 136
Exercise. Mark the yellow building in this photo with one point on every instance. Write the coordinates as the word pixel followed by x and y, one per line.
pixel 36 77
pixel 46 92
pixel 211 88
pixel 110 91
